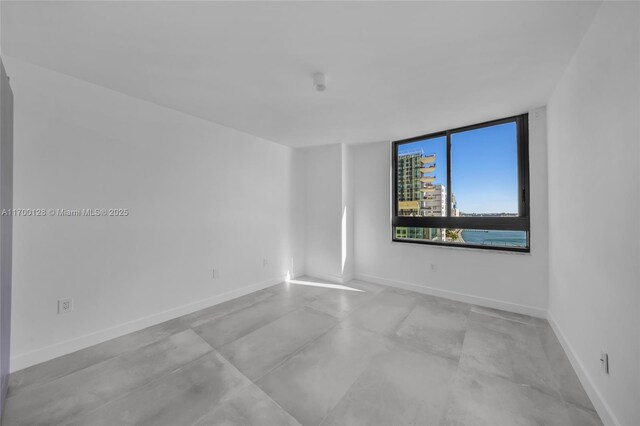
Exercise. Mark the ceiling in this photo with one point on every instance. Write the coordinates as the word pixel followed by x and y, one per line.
pixel 393 69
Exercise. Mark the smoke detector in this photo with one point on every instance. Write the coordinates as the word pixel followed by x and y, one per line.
pixel 319 82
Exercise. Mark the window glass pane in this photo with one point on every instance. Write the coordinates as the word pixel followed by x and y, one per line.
pixel 484 171
pixel 495 238
pixel 422 178
pixel 424 234
pixel 478 237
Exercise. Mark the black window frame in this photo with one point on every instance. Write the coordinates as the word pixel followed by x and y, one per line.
pixel 511 223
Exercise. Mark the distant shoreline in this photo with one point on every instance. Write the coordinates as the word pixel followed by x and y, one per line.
pixel 500 238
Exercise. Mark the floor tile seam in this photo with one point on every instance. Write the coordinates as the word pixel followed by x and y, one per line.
pixel 235 311
pixel 118 355
pixel 454 374
pixel 347 313
pixel 550 365
pixel 592 411
pixel 97 364
pixel 495 330
pixel 140 386
pixel 292 354
pixel 407 344
pixel 461 365
pixel 317 296
pixel 454 379
pixel 546 353
pixel 360 327
pixel 577 404
pixel 235 392
pixel 499 317
pixel 276 403
pixel 514 336
pixel 225 399
pixel 53 379
pixel 249 383
pixel 346 392
pixel 391 332
pixel 414 304
pixel 187 326
pixel 264 325
pixel 355 309
pixel 320 312
pixel 514 382
pixel 444 309
pixel 253 330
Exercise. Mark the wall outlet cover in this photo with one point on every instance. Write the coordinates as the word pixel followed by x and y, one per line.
pixel 65 306
pixel 604 360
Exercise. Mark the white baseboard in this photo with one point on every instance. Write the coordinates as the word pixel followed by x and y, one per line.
pixel 600 404
pixel 37 356
pixel 460 297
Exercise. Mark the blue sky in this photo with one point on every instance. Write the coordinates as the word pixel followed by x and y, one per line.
pixel 484 167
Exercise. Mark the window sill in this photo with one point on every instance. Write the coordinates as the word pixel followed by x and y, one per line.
pixel 454 246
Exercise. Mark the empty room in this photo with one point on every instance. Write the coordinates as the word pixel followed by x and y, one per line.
pixel 357 213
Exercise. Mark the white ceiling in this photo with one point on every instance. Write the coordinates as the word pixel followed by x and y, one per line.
pixel 394 69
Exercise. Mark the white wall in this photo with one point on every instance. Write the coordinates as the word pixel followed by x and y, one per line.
pixel 299 210
pixel 516 282
pixel 347 224
pixel 594 211
pixel 6 228
pixel 324 211
pixel 200 196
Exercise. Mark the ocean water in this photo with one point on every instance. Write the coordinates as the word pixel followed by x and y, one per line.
pixel 495 238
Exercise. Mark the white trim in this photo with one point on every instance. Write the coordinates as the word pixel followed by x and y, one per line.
pixel 461 247
pixel 600 404
pixel 460 297
pixel 37 356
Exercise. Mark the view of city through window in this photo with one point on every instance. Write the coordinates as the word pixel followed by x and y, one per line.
pixel 484 182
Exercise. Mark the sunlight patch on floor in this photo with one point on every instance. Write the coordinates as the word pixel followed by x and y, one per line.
pixel 324 285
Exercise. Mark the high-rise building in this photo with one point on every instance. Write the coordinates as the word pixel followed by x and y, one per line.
pixel 434 202
pixel 409 185
pixel 417 194
pixel 454 206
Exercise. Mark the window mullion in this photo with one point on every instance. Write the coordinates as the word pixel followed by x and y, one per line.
pixel 449 191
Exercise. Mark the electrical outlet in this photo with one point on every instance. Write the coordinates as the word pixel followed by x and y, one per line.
pixel 604 361
pixel 434 267
pixel 65 306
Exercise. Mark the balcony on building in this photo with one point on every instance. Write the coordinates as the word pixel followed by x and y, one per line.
pixel 428 159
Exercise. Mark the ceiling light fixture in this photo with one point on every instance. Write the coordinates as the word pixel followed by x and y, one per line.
pixel 319 82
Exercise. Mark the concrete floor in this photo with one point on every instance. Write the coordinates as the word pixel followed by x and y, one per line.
pixel 311 354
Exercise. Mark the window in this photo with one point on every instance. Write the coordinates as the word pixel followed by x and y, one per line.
pixel 464 187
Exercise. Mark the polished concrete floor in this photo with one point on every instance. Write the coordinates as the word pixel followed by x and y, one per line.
pixel 310 353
